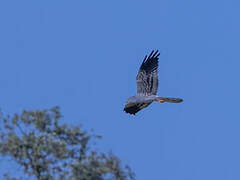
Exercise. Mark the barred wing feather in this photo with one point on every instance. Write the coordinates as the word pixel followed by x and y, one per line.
pixel 147 77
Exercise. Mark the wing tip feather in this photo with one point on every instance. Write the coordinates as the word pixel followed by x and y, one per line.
pixel 153 54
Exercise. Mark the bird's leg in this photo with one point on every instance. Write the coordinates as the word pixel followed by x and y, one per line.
pixel 167 99
pixel 161 100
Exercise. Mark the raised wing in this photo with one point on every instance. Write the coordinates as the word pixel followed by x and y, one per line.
pixel 147 77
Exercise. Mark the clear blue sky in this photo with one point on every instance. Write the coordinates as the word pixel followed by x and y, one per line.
pixel 84 56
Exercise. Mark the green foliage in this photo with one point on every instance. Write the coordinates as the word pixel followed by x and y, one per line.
pixel 49 151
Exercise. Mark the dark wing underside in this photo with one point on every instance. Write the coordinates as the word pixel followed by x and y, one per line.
pixel 147 77
pixel 133 108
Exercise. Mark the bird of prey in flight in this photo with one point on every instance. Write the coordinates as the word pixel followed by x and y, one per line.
pixel 147 86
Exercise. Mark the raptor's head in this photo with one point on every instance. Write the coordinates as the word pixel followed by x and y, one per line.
pixel 132 99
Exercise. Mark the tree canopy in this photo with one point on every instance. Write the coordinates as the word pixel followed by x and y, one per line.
pixel 49 150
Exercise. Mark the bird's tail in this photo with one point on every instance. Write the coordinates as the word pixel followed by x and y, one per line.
pixel 168 99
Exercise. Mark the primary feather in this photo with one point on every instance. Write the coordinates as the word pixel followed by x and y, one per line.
pixel 147 77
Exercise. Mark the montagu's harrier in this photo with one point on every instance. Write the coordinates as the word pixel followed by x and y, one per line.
pixel 147 86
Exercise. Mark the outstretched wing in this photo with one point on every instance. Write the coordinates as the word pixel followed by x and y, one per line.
pixel 133 108
pixel 147 77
